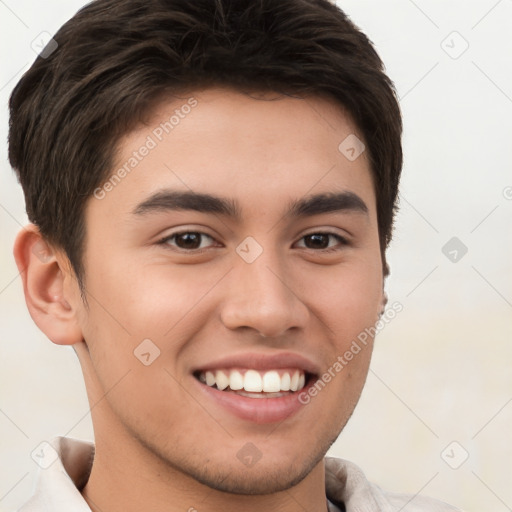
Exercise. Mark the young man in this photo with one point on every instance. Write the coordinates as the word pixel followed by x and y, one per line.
pixel 211 186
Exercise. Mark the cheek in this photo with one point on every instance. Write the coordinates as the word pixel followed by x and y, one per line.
pixel 140 316
pixel 135 365
pixel 155 297
pixel 348 299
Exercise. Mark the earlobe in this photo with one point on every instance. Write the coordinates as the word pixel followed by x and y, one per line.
pixel 48 287
pixel 383 303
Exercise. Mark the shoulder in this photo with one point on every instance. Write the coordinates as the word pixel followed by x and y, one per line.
pixel 346 483
pixel 65 464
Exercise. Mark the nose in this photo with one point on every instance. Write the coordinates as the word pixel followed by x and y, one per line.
pixel 261 297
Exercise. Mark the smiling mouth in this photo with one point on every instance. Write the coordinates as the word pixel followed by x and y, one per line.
pixel 255 384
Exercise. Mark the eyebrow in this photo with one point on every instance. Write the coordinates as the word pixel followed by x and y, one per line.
pixel 327 203
pixel 168 200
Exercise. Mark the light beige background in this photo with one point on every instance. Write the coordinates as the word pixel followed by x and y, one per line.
pixel 442 369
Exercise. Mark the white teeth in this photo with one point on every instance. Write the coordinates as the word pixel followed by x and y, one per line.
pixel 221 379
pixel 210 379
pixel 285 382
pixel 252 381
pixel 271 382
pixel 236 381
pixel 294 383
pixel 302 381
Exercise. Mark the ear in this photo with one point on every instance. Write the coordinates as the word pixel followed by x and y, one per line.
pixel 49 285
pixel 383 303
pixel 385 274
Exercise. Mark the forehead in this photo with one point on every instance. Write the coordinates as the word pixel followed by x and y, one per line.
pixel 257 148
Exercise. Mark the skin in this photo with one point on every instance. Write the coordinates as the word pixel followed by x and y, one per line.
pixel 160 443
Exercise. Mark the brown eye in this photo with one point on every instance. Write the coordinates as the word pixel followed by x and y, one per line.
pixel 316 241
pixel 322 241
pixel 188 240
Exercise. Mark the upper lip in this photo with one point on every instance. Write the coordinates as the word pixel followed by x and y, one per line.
pixel 262 362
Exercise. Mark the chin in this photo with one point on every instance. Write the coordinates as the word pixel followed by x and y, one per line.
pixel 273 472
pixel 262 478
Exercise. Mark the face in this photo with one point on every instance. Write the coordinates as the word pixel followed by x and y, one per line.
pixel 228 269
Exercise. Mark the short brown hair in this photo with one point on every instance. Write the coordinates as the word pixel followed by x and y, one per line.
pixel 116 57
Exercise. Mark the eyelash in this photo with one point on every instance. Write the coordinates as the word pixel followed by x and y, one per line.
pixel 341 240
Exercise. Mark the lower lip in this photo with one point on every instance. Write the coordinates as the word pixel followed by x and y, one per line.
pixel 256 410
